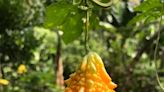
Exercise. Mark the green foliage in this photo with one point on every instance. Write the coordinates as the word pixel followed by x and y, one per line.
pixel 148 5
pixel 150 11
pixel 16 36
pixel 66 17
pixel 32 82
pixel 40 72
pixel 118 45
pixel 20 13
pixel 56 13
pixel 17 47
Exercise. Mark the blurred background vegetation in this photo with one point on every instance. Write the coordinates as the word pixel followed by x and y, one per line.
pixel 124 35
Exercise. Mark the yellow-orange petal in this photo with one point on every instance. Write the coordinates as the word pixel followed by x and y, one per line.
pixel 112 85
pixel 104 75
pixel 82 89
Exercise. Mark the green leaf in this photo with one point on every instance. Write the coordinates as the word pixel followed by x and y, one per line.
pixel 137 18
pixel 56 13
pixel 154 16
pixel 152 13
pixel 67 18
pixel 94 22
pixel 73 26
pixel 147 5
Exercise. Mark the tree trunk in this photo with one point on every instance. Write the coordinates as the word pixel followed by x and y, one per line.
pixel 59 64
pixel 59 73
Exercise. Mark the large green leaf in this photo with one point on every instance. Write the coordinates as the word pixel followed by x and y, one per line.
pixel 56 14
pixel 67 18
pixel 73 26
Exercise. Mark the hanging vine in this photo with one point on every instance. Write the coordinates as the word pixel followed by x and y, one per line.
pixel 156 50
pixel 84 5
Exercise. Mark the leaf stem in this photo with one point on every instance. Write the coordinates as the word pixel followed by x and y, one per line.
pixel 84 3
pixel 86 32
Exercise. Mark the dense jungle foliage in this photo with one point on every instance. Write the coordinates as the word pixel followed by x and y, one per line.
pixel 125 35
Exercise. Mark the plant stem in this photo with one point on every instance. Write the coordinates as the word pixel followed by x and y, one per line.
pixel 155 54
pixel 86 31
pixel 86 26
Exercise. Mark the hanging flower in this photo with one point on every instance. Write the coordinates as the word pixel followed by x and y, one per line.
pixel 22 69
pixel 91 77
pixel 4 82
